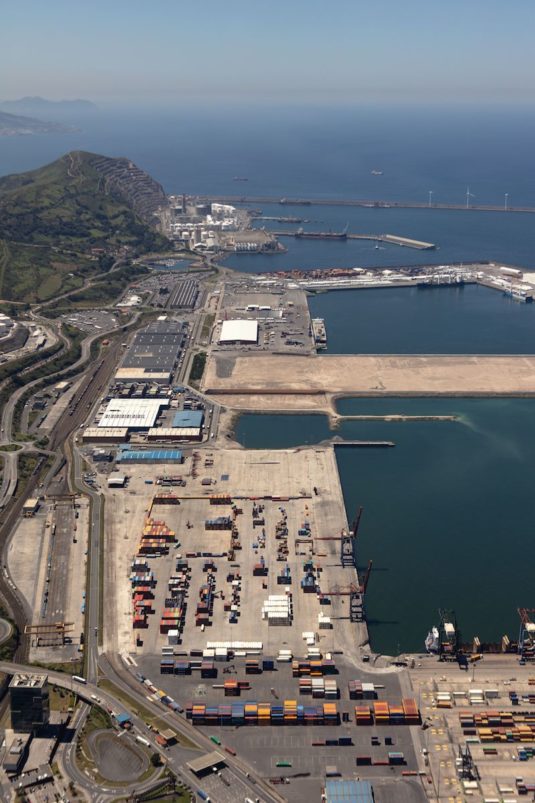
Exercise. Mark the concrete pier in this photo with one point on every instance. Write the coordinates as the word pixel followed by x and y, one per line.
pixel 389 239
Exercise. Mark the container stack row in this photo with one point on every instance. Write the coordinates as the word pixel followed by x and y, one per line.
pixel 142 582
pixel 277 609
pixel 155 538
pixel 253 713
pixel 384 714
pixel 319 687
pixel 499 726
pixel 358 690
pixel 314 667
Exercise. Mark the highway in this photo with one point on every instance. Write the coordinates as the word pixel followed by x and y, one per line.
pixel 93 594
pixel 113 668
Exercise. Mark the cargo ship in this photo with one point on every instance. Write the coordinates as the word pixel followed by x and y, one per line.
pixel 322 235
pixel 319 333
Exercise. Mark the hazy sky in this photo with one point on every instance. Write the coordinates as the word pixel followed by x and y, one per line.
pixel 320 50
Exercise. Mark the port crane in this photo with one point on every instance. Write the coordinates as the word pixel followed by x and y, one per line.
pixel 449 636
pixel 526 637
pixel 354 592
pixel 348 541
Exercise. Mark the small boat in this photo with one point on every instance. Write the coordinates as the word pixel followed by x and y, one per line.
pixel 377 172
pixel 240 178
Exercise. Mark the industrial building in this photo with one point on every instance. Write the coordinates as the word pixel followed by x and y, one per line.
pixel 29 702
pixel 154 352
pixel 131 413
pixel 127 455
pixel 142 375
pixel 104 434
pixel 175 434
pixel 185 295
pixel 342 791
pixel 117 481
pixel 17 753
pixel 239 332
pixel 188 418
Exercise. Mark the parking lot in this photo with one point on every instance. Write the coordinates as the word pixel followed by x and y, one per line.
pixel 92 320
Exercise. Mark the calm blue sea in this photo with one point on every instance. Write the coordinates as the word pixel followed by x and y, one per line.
pixel 330 153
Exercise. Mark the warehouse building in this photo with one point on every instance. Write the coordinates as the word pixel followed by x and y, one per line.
pixel 175 434
pixel 154 352
pixel 105 434
pixel 127 455
pixel 185 295
pixel 239 332
pixel 350 791
pixel 132 413
pixel 188 418
pixel 142 375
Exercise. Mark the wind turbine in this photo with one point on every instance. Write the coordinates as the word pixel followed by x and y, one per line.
pixel 430 197
pixel 468 196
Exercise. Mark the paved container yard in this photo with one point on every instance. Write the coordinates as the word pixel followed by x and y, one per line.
pixel 263 746
pixel 290 474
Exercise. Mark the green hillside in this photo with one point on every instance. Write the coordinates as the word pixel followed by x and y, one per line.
pixel 71 216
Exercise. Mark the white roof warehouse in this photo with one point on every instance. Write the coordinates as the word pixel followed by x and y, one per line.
pixel 239 332
pixel 132 413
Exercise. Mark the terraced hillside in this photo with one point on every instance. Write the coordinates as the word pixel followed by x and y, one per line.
pixel 63 221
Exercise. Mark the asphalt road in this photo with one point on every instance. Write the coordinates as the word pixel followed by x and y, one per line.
pixel 93 578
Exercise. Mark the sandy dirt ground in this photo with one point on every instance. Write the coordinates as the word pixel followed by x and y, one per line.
pixel 281 382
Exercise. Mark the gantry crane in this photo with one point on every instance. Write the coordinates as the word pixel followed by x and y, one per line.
pixel 348 542
pixel 526 637
pixel 356 603
pixel 449 636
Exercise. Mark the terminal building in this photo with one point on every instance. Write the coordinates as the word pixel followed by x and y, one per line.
pixel 239 332
pixel 29 702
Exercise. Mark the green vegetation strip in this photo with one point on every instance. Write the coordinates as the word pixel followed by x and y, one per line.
pixel 207 327
pixel 68 667
pixel 10 646
pixel 99 294
pixel 197 368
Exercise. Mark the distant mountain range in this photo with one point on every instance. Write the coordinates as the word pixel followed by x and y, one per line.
pixel 49 109
pixel 13 125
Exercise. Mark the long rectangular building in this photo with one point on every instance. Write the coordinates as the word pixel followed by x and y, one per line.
pixel 155 349
pixel 132 413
